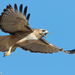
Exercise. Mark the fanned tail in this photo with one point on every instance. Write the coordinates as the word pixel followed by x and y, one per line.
pixel 6 45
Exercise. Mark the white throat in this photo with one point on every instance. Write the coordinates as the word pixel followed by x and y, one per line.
pixel 31 36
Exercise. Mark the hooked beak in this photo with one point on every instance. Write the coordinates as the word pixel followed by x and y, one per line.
pixel 46 32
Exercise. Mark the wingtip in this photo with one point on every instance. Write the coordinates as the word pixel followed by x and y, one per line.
pixel 4 10
pixel 21 5
pixel 15 7
pixel 7 7
pixel 15 4
pixel 20 8
pixel 10 6
pixel 28 16
pixel 69 51
pixel 25 10
pixel 2 13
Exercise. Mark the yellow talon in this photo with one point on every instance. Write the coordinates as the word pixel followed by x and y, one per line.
pixel 8 52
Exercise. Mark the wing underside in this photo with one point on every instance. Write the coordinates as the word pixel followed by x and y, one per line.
pixel 41 46
pixel 12 21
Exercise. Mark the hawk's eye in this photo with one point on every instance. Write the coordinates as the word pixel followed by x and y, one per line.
pixel 43 30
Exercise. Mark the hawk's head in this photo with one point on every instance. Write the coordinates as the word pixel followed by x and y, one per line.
pixel 40 32
pixel 43 32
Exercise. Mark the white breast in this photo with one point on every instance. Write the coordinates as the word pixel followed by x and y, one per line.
pixel 30 37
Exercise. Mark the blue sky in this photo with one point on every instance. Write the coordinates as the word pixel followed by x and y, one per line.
pixel 56 16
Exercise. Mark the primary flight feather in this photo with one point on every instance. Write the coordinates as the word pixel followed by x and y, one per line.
pixel 21 34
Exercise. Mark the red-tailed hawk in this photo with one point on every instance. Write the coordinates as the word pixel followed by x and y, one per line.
pixel 22 35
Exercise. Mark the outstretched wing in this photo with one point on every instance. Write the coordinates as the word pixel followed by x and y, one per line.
pixel 12 21
pixel 41 46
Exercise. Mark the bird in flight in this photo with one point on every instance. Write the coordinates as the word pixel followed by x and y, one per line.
pixel 22 35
